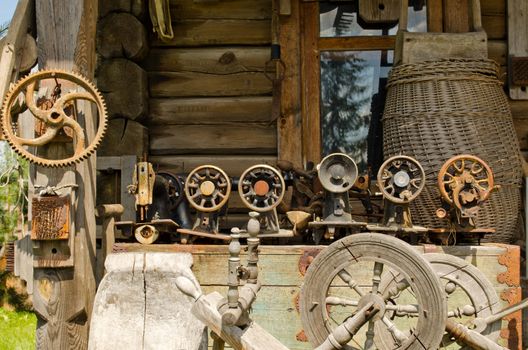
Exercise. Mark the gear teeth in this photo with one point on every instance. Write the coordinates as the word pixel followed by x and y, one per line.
pixel 80 80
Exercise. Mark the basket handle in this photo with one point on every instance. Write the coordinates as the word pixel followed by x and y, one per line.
pixel 475 15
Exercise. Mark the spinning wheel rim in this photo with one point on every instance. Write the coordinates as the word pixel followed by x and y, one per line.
pixel 277 176
pixel 81 151
pixel 451 162
pixel 225 195
pixel 372 247
pixel 384 167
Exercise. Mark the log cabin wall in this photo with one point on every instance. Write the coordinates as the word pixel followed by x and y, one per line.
pixel 210 101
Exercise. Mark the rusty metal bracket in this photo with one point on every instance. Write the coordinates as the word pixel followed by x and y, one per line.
pixel 51 218
pixel 306 259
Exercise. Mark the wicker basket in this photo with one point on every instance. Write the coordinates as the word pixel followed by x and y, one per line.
pixel 437 110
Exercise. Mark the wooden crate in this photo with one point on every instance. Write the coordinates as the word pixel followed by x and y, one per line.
pixel 281 276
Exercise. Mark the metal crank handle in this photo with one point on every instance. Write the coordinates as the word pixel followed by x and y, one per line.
pixel 344 333
pixel 471 338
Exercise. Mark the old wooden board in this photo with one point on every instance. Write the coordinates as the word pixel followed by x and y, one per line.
pixel 209 110
pixel 213 60
pixel 213 139
pixel 281 274
pixel 203 32
pixel 517 40
pixel 230 9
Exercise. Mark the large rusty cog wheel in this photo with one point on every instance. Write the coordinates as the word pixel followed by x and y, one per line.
pixel 347 275
pixel 54 118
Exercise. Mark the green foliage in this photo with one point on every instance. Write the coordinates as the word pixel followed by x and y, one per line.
pixel 13 192
pixel 345 107
pixel 17 330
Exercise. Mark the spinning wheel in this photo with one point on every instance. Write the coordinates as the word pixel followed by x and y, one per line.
pixel 469 295
pixel 56 116
pixel 465 181
pixel 336 286
pixel 401 179
pixel 475 294
pixel 261 188
pixel 207 188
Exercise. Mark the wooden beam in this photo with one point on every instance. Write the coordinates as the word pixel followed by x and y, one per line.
pixel 456 16
pixel 211 60
pixel 435 16
pixel 357 43
pixel 311 71
pixel 63 298
pixel 518 40
pixel 213 139
pixel 289 125
pixel 218 32
pixel 187 84
pixel 13 45
pixel 209 110
pixel 232 9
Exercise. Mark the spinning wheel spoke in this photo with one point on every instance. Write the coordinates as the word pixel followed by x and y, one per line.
pixel 376 278
pixel 345 276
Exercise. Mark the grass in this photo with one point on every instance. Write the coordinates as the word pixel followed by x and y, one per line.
pixel 17 330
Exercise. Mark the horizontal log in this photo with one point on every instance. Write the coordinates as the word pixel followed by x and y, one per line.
pixel 122 35
pixel 166 111
pixel 488 7
pixel 124 87
pixel 208 60
pixel 498 51
pixel 519 109
pixel 218 32
pixel 186 84
pixel 233 165
pixel 213 139
pixel 225 9
pixel 521 128
pixel 124 137
pixel 495 26
pixel 137 7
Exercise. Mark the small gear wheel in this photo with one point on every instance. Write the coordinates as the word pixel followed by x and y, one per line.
pixel 56 114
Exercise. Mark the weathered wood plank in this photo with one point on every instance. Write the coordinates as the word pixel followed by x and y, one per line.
pixel 495 26
pixel 493 7
pixel 498 51
pixel 212 110
pixel 519 109
pixel 124 137
pixel 225 9
pixel 435 16
pixel 218 32
pixel 517 40
pixel 213 139
pixel 456 16
pixel 289 125
pixel 187 84
pixel 225 60
pixel 233 165
pixel 311 125
pixel 521 128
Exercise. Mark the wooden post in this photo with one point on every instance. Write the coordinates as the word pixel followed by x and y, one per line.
pixel 63 298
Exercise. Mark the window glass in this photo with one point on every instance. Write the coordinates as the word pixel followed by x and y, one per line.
pixel 341 19
pixel 352 101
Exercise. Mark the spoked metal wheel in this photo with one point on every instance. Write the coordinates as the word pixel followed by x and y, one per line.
pixel 347 275
pixel 207 188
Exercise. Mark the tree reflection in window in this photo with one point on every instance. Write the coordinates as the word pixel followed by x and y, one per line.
pixel 350 83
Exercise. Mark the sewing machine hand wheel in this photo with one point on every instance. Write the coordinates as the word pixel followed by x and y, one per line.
pixel 461 172
pixel 346 275
pixel 261 188
pixel 207 188
pixel 56 116
pixel 401 179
